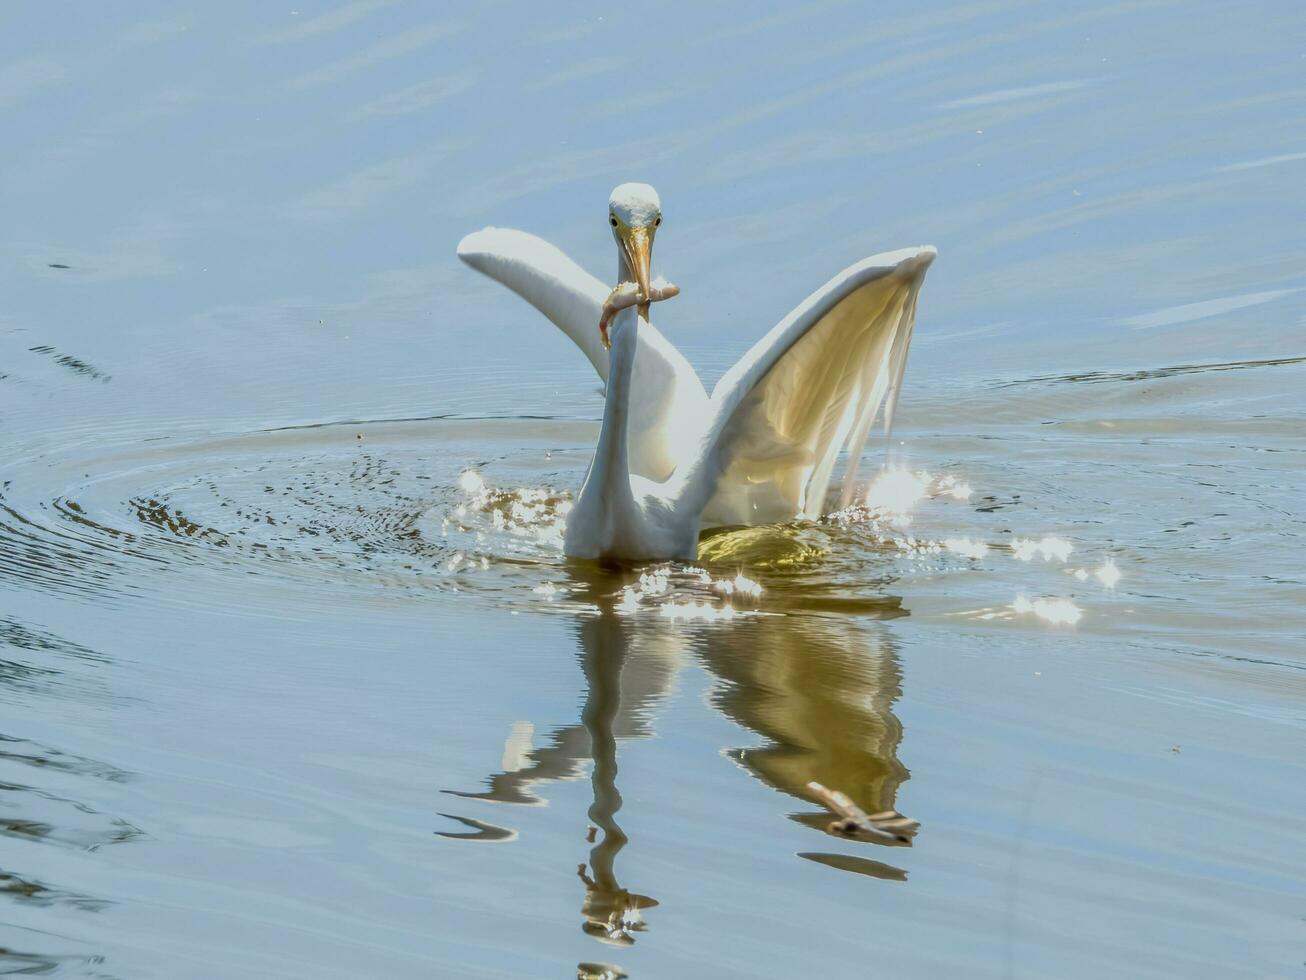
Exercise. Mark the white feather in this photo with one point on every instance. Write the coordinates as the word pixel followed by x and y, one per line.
pixel 763 448
pixel 669 400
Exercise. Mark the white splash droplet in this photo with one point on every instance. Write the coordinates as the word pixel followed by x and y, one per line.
pixel 896 491
pixel 1048 548
pixel 1060 612
pixel 1108 574
pixel 967 547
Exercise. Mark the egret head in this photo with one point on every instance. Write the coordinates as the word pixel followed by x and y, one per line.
pixel 634 212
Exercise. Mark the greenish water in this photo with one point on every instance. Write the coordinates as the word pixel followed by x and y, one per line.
pixel 294 681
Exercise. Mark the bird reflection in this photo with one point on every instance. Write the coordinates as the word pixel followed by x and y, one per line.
pixel 818 692
pixel 626 675
pixel 612 913
pixel 643 671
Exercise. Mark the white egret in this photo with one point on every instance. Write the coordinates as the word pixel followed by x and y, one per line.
pixel 762 448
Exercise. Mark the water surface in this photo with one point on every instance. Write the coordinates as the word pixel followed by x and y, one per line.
pixel 294 681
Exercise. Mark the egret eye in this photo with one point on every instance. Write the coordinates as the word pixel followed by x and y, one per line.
pixel 658 222
pixel 612 220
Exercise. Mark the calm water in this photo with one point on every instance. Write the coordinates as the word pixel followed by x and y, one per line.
pixel 294 681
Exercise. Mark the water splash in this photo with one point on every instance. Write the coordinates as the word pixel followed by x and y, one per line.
pixel 954 488
pixel 689 592
pixel 1048 548
pixel 740 585
pixel 1108 574
pixel 895 493
pixel 505 522
pixel 1060 612
pixel 966 547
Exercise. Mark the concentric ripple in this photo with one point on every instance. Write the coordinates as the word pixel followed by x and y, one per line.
pixel 335 507
pixel 367 512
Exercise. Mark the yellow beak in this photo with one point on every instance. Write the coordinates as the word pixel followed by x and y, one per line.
pixel 637 243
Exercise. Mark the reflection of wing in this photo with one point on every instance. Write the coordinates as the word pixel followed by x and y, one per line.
pixel 819 691
pixel 667 399
pixel 810 388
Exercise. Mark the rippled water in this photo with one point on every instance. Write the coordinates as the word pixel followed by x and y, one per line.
pixel 294 680
pixel 267 691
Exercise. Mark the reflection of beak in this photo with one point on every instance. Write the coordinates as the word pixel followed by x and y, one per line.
pixel 638 246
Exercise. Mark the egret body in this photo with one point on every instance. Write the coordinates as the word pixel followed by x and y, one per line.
pixel 762 447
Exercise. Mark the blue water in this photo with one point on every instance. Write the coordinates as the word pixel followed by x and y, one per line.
pixel 264 648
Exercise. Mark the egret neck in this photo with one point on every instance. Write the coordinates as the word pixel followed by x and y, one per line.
pixel 606 502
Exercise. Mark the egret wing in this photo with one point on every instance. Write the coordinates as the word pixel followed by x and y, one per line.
pixel 668 402
pixel 810 388
pixel 544 276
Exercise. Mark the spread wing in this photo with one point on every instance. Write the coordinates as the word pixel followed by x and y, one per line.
pixel 667 399
pixel 810 388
